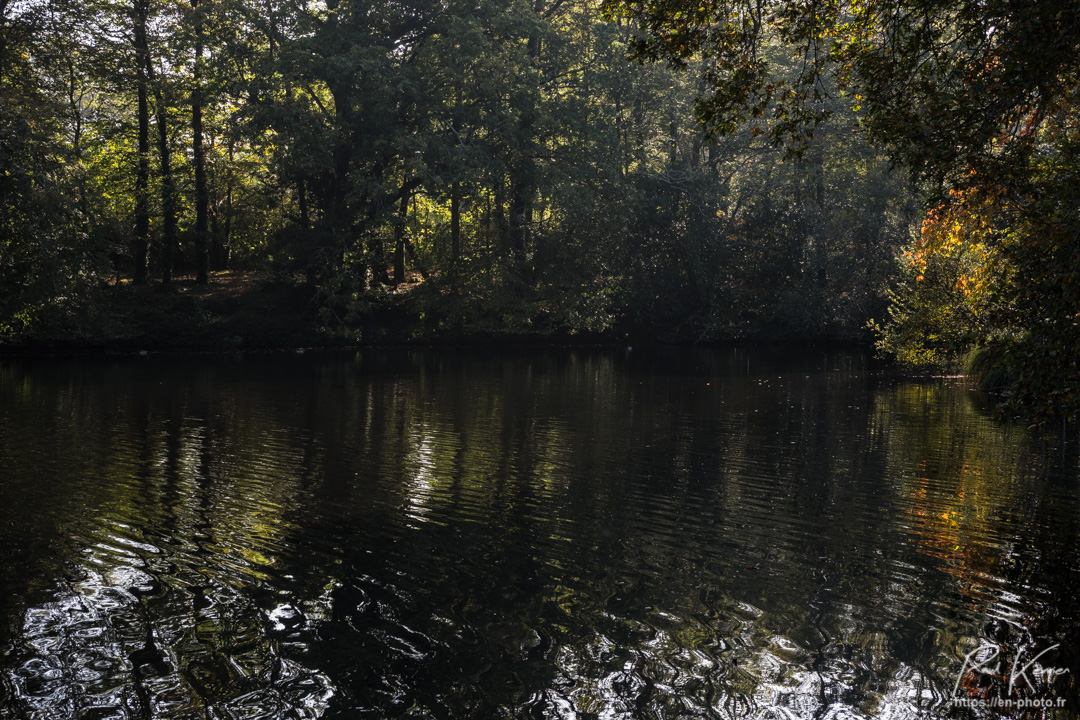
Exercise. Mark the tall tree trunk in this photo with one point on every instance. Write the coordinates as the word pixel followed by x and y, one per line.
pixel 521 205
pixel 399 239
pixel 202 192
pixel 337 190
pixel 455 222
pixel 819 201
pixel 502 227
pixel 168 189
pixel 141 244
pixel 523 182
pixel 377 258
pixel 673 142
pixel 301 197
pixel 223 237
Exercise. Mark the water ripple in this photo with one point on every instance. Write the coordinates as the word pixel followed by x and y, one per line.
pixel 572 535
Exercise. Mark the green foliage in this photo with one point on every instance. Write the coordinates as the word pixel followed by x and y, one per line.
pixel 946 86
pixel 977 100
pixel 443 170
pixel 1041 300
pixel 932 322
pixel 990 366
pixel 47 260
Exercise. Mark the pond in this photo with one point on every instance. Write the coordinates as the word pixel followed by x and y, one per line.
pixel 628 533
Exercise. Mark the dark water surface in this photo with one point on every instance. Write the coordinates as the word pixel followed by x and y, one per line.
pixel 569 534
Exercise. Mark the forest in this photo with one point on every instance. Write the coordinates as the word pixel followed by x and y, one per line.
pixel 898 172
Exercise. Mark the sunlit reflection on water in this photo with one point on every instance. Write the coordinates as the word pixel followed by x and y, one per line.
pixel 583 535
pixel 116 641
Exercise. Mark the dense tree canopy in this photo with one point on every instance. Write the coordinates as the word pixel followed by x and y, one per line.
pixel 509 155
pixel 438 170
pixel 948 86
pixel 978 101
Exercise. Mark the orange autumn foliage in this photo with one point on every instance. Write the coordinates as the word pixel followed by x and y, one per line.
pixel 962 229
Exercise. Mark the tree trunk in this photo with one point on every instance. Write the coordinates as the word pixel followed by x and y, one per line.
pixel 521 206
pixel 399 240
pixel 819 230
pixel 168 191
pixel 202 192
pixel 141 243
pixel 377 258
pixel 455 223
pixel 301 197
pixel 223 238
pixel 522 187
pixel 338 193
pixel 502 227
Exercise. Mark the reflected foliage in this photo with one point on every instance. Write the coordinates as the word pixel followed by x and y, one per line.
pixel 722 534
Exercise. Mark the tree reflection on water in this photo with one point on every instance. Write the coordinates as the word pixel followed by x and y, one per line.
pixel 705 534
